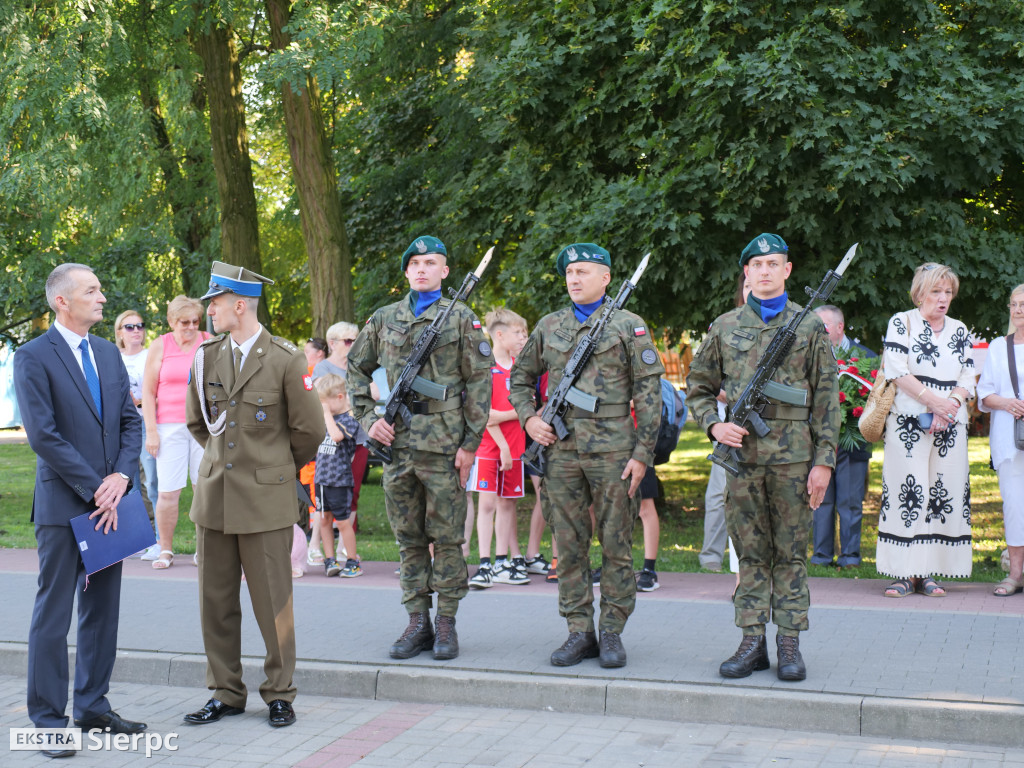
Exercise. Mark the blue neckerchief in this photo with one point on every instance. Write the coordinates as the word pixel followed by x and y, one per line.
pixel 768 308
pixel 583 311
pixel 420 302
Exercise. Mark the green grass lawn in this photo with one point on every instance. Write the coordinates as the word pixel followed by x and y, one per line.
pixel 681 512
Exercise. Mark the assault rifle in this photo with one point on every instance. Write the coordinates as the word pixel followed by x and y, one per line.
pixel 566 393
pixel 396 406
pixel 754 399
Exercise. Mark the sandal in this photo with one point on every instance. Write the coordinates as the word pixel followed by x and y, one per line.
pixel 160 564
pixel 1008 586
pixel 930 588
pixel 899 588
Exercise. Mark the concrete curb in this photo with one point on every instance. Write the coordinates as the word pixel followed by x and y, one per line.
pixel 842 714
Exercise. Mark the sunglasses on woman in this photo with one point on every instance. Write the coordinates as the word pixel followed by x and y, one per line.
pixel 133 326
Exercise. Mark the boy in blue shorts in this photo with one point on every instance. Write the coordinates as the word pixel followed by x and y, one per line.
pixel 334 480
pixel 498 469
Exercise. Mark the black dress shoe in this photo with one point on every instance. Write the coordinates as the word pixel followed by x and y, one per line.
pixel 751 656
pixel 111 721
pixel 418 636
pixel 211 712
pixel 578 646
pixel 791 663
pixel 611 651
pixel 446 639
pixel 57 752
pixel 281 713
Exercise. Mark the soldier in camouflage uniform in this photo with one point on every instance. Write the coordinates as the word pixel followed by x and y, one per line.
pixel 424 486
pixel 783 476
pixel 603 459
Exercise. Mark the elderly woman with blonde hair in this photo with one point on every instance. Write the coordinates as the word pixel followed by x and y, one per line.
pixel 999 392
pixel 924 523
pixel 164 386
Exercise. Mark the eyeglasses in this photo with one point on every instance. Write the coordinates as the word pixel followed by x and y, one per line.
pixel 1014 306
pixel 133 326
pixel 348 342
pixel 187 322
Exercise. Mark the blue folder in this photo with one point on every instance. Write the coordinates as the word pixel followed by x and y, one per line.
pixel 134 533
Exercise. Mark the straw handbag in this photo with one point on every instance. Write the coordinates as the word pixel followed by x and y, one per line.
pixel 877 407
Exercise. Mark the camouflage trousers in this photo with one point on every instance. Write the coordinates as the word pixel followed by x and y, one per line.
pixel 426 505
pixel 769 519
pixel 571 484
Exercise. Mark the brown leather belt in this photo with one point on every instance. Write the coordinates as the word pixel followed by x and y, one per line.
pixel 604 411
pixel 786 412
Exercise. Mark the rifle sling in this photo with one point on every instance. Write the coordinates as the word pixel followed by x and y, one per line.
pixel 786 412
pixel 604 411
pixel 421 407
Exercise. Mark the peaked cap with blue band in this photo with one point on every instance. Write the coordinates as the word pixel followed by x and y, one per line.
pixel 421 245
pixel 227 278
pixel 762 245
pixel 582 252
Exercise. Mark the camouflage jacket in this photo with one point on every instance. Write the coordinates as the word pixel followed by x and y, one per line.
pixel 625 366
pixel 727 359
pixel 461 360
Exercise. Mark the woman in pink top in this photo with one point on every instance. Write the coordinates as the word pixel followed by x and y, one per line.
pixel 164 386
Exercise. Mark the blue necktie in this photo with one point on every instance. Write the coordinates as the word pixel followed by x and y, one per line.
pixel 90 376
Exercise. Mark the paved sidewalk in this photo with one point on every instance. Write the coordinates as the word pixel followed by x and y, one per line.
pixel 946 670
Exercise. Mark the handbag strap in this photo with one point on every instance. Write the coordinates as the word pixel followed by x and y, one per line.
pixel 1013 366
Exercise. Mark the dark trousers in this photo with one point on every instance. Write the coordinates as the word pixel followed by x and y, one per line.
pixel 61 576
pixel 845 499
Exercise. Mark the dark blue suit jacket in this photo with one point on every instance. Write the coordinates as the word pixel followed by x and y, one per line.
pixel 75 449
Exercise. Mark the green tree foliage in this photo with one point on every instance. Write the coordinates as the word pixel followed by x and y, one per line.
pixel 686 129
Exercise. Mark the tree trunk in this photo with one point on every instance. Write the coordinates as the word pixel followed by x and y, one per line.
pixel 320 210
pixel 239 224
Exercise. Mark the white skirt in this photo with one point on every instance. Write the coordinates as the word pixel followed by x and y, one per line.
pixel 924 523
pixel 1011 488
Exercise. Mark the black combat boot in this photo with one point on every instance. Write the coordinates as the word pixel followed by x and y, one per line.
pixel 418 636
pixel 579 646
pixel 612 652
pixel 791 663
pixel 446 639
pixel 751 656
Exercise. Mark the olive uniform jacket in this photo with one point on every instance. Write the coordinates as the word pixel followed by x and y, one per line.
pixel 625 366
pixel 727 359
pixel 461 361
pixel 274 423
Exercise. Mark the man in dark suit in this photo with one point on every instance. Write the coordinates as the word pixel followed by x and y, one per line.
pixel 76 404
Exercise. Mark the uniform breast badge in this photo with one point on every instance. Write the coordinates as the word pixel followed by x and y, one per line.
pixel 261 415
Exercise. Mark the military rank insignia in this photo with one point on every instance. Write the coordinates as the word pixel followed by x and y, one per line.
pixel 307 382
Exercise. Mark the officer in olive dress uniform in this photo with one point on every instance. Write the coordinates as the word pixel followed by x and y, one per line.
pixel 424 486
pixel 252 406
pixel 782 476
pixel 604 457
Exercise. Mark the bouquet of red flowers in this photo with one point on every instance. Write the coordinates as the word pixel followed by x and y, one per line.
pixel 856 377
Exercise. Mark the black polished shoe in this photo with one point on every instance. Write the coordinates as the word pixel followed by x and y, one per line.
pixel 57 752
pixel 211 712
pixel 751 656
pixel 611 651
pixel 446 639
pixel 281 713
pixel 112 721
pixel 418 636
pixel 579 646
pixel 791 663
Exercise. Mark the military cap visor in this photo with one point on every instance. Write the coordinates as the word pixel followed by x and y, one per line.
pixel 227 278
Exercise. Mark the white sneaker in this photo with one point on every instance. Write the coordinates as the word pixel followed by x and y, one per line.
pixel 152 553
pixel 483 578
pixel 538 565
pixel 511 572
pixel 314 557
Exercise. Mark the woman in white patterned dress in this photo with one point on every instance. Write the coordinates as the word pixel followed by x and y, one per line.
pixel 924 524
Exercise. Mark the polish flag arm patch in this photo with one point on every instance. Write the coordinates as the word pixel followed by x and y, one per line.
pixel 640 331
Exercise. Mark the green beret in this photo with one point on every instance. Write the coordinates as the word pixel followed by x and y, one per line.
pixel 425 244
pixel 762 245
pixel 588 252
